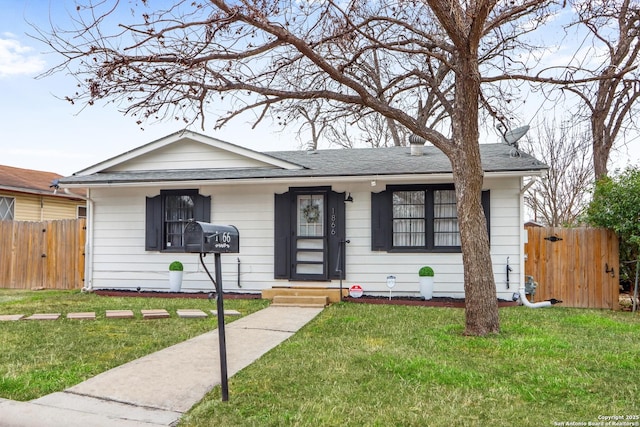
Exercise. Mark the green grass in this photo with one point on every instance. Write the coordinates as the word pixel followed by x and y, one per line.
pixel 374 365
pixel 42 357
pixel 355 364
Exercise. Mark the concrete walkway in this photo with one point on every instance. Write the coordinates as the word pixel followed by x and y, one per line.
pixel 157 389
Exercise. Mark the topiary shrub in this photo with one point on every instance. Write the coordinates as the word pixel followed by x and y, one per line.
pixel 176 266
pixel 426 271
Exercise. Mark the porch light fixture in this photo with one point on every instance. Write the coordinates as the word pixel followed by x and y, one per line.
pixel 349 198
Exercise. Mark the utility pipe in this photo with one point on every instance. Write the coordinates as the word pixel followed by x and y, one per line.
pixel 525 301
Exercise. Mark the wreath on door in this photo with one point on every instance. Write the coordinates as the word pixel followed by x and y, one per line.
pixel 311 213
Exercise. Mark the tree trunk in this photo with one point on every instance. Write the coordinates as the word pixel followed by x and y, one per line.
pixel 481 303
pixel 601 146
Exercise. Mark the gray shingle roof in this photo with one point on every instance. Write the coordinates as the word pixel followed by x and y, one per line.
pixel 331 163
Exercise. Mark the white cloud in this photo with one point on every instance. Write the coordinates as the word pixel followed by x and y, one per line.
pixel 18 59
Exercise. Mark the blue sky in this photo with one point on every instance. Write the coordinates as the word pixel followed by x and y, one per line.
pixel 41 131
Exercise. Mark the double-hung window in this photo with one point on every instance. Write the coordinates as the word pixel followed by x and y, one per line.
pixel 168 213
pixel 417 218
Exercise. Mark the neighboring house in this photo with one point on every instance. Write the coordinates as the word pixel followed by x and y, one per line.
pixel 532 223
pixel 315 218
pixel 29 195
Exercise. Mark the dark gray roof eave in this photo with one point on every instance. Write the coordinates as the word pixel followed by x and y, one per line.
pixel 128 178
pixel 337 163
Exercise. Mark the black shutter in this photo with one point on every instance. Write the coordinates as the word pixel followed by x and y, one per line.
pixel 202 208
pixel 282 236
pixel 486 206
pixel 381 221
pixel 153 224
pixel 337 235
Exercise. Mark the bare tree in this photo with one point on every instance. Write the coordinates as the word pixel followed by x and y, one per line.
pixel 314 124
pixel 560 198
pixel 265 57
pixel 319 122
pixel 611 97
pixel 370 130
pixel 347 129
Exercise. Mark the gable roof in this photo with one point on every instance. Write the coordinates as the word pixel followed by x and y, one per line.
pixel 181 137
pixel 29 181
pixel 335 163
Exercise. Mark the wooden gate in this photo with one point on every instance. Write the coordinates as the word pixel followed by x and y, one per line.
pixel 579 266
pixel 47 254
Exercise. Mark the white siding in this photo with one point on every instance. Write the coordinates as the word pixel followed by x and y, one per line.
pixel 188 155
pixel 121 262
pixel 506 231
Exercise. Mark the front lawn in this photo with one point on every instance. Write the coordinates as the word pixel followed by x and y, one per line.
pixel 376 365
pixel 355 364
pixel 42 357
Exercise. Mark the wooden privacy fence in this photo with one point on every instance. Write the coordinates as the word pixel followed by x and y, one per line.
pixel 48 254
pixel 579 266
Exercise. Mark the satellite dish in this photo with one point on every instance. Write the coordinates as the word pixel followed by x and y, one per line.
pixel 512 136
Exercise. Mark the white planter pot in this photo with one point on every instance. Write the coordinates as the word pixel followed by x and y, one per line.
pixel 175 281
pixel 426 287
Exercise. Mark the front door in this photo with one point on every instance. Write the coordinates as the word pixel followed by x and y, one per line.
pixel 310 238
pixel 309 234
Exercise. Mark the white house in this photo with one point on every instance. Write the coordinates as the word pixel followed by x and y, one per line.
pixel 325 218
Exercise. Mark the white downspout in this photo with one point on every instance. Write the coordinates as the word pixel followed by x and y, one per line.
pixel 521 294
pixel 88 246
pixel 88 266
pixel 526 303
pixel 521 290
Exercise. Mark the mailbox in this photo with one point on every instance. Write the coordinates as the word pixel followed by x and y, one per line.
pixel 203 237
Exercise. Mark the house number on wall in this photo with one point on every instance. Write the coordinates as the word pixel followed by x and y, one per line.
pixel 333 221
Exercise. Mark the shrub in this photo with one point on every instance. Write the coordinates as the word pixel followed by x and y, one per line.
pixel 426 271
pixel 616 205
pixel 176 266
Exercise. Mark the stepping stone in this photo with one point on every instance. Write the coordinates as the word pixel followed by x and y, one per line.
pixel 85 315
pixel 10 317
pixel 44 316
pixel 155 314
pixel 227 312
pixel 188 313
pixel 119 314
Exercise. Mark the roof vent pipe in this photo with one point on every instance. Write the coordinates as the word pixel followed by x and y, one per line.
pixel 417 145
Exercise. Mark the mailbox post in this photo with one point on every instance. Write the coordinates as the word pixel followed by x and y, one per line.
pixel 204 238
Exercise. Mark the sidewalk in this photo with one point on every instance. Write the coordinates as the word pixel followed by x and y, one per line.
pixel 157 389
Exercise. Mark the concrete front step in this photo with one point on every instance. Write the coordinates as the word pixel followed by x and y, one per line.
pixel 300 301
pixel 332 294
